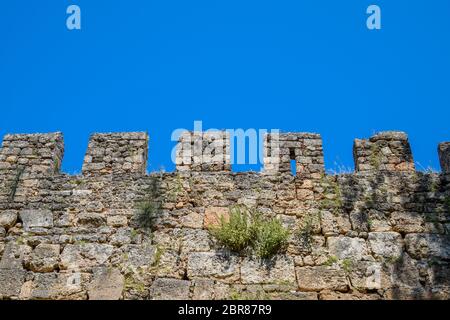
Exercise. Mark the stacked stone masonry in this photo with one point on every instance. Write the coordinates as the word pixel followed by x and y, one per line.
pixel 381 232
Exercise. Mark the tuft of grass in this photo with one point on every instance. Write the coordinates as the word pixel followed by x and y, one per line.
pixel 15 183
pixel 236 233
pixel 347 265
pixel 148 212
pixel 331 260
pixel 375 156
pixel 305 233
pixel 269 237
pixel 158 254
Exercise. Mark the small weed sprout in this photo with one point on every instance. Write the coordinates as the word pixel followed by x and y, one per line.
pixel 147 214
pixel 305 234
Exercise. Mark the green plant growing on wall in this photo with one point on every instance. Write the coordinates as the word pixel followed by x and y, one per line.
pixel 331 260
pixel 375 156
pixel 236 233
pixel 149 210
pixel 269 236
pixel 347 265
pixel 15 183
pixel 331 187
pixel 447 203
pixel 305 233
pixel 245 229
pixel 147 214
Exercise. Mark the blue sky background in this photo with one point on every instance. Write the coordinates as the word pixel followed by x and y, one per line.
pixel 293 65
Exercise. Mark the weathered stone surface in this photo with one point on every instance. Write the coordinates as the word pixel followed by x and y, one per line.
pixel 203 289
pixel 15 256
pixel 428 245
pixel 45 258
pixel 82 256
pixel 279 269
pixel 407 222
pixel 107 284
pixel 213 216
pixel 117 221
pixel 139 256
pixel 386 245
pixel 367 275
pixel 91 219
pixel 214 265
pixel 169 289
pixel 36 218
pixel 321 278
pixel 55 286
pixel 444 156
pixel 8 219
pixel 347 248
pixel 11 281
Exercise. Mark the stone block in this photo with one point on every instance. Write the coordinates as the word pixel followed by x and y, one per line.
pixel 321 278
pixel 107 284
pixel 214 265
pixel 386 245
pixel 279 269
pixel 170 289
pixel 45 258
pixel 33 218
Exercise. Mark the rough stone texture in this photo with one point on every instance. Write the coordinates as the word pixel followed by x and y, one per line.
pixel 107 284
pixel 381 232
pixel 11 282
pixel 36 218
pixel 116 153
pixel 347 248
pixel 279 269
pixel 45 258
pixel 428 245
pixel 444 156
pixel 304 148
pixel 203 151
pixel 8 219
pixel 387 245
pixel 170 289
pixel 388 151
pixel 214 215
pixel 220 266
pixel 321 278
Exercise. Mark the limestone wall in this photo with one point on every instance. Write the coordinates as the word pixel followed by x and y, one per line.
pixel 379 233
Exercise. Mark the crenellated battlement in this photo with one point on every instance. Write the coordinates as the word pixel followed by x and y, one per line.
pixel 35 154
pixel 116 232
pixel 385 151
pixel 122 153
pixel 116 153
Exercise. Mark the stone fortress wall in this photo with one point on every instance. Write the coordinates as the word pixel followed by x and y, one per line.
pixel 381 232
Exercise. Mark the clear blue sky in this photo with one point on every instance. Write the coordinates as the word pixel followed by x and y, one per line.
pixel 295 65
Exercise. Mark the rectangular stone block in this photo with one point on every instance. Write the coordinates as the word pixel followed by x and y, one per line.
pixel 321 278
pixel 33 218
pixel 280 269
pixel 11 281
pixel 220 266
